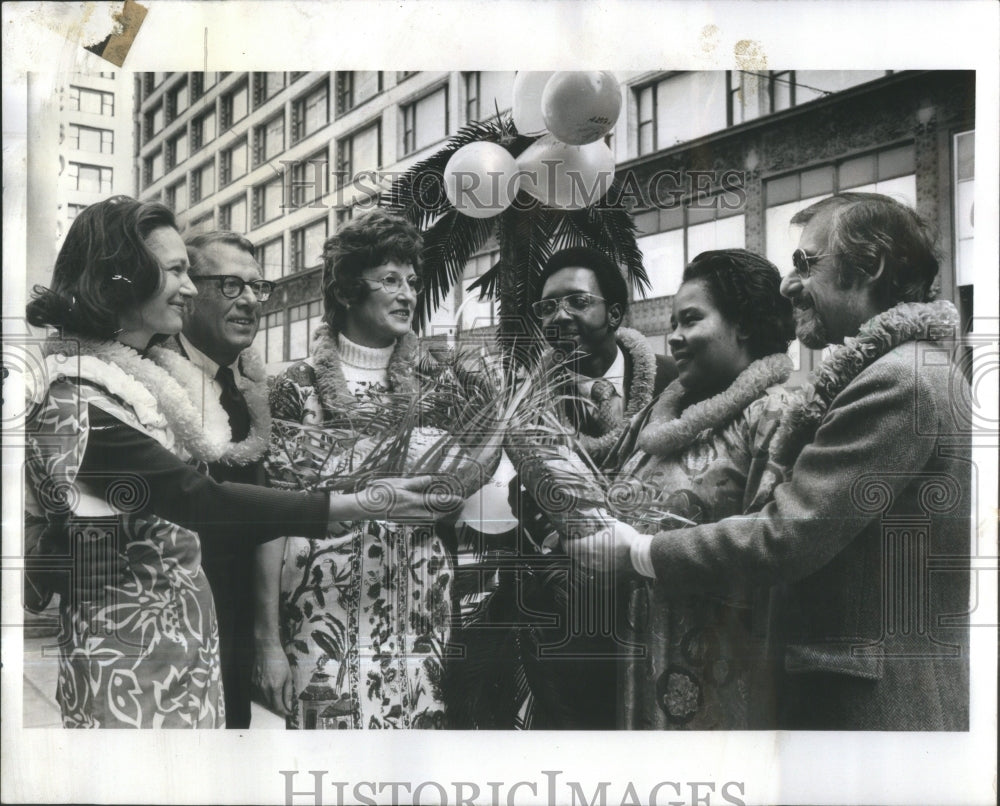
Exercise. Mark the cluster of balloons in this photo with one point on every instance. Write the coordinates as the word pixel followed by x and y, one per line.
pixel 569 167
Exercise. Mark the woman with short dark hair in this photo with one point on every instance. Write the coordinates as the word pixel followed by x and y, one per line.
pixel 363 614
pixel 106 469
pixel 705 443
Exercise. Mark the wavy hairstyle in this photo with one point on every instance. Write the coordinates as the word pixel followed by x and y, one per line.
pixel 198 243
pixel 103 269
pixel 879 236
pixel 745 288
pixel 371 239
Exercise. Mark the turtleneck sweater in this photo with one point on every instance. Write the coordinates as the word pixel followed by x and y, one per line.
pixel 364 367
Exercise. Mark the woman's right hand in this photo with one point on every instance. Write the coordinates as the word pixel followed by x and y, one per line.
pixel 272 676
pixel 417 499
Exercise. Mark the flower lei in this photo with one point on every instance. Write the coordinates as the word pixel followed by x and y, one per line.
pixel 158 398
pixel 907 321
pixel 666 432
pixel 252 383
pixel 640 394
pixel 330 382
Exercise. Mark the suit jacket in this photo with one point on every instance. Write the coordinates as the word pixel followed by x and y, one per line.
pixel 869 543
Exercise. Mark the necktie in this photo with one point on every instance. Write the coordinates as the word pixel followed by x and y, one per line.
pixel 603 390
pixel 234 403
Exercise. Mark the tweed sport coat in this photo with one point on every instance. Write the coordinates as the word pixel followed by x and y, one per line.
pixel 868 545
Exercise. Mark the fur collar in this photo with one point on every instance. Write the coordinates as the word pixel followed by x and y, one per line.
pixel 907 321
pixel 252 383
pixel 159 397
pixel 668 430
pixel 640 394
pixel 330 383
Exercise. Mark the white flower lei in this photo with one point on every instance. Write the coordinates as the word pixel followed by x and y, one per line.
pixel 253 385
pixel 159 398
pixel 904 322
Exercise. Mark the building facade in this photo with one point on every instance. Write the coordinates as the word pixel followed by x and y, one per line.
pixel 82 122
pixel 708 160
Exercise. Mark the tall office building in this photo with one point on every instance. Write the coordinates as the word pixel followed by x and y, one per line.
pixel 713 159
pixel 81 131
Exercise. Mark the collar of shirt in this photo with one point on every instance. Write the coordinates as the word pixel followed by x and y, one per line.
pixel 615 375
pixel 206 364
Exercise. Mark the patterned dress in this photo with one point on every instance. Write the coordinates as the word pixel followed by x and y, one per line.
pixel 706 664
pixel 365 615
pixel 146 654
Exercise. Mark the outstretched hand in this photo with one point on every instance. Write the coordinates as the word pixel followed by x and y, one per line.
pixel 602 545
pixel 416 499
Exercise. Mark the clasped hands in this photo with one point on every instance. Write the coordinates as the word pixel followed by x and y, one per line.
pixel 595 540
pixel 419 499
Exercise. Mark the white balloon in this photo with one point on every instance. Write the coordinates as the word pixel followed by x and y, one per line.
pixel 527 100
pixel 581 106
pixel 481 180
pixel 566 177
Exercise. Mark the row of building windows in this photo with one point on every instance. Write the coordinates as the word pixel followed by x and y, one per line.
pixel 278 342
pixel 94 102
pixel 423 121
pixel 89 178
pixel 91 140
pixel 309 112
pixel 726 99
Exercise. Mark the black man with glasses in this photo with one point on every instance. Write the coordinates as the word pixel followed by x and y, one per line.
pixel 612 374
pixel 219 329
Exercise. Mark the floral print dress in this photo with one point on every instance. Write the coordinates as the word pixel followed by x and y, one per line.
pixel 365 615
pixel 146 653
pixel 705 663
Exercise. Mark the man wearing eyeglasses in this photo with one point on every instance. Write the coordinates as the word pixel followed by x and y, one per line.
pixel 612 374
pixel 219 329
pixel 582 301
pixel 869 540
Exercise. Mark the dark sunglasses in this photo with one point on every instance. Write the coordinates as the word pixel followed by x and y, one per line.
pixel 573 303
pixel 232 286
pixel 802 262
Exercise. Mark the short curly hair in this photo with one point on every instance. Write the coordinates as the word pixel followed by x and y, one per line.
pixel 103 270
pixel 609 277
pixel 745 288
pixel 371 239
pixel 870 232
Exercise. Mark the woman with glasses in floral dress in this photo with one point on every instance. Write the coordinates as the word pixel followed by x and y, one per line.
pixel 353 625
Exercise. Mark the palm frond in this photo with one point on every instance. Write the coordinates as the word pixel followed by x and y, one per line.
pixel 449 244
pixel 527 232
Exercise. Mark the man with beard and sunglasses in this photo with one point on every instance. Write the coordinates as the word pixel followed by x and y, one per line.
pixel 867 544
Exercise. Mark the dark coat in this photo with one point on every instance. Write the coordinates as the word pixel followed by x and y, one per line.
pixel 869 545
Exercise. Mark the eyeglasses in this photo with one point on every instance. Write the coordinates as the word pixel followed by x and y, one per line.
pixel 392 283
pixel 572 303
pixel 801 261
pixel 232 286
